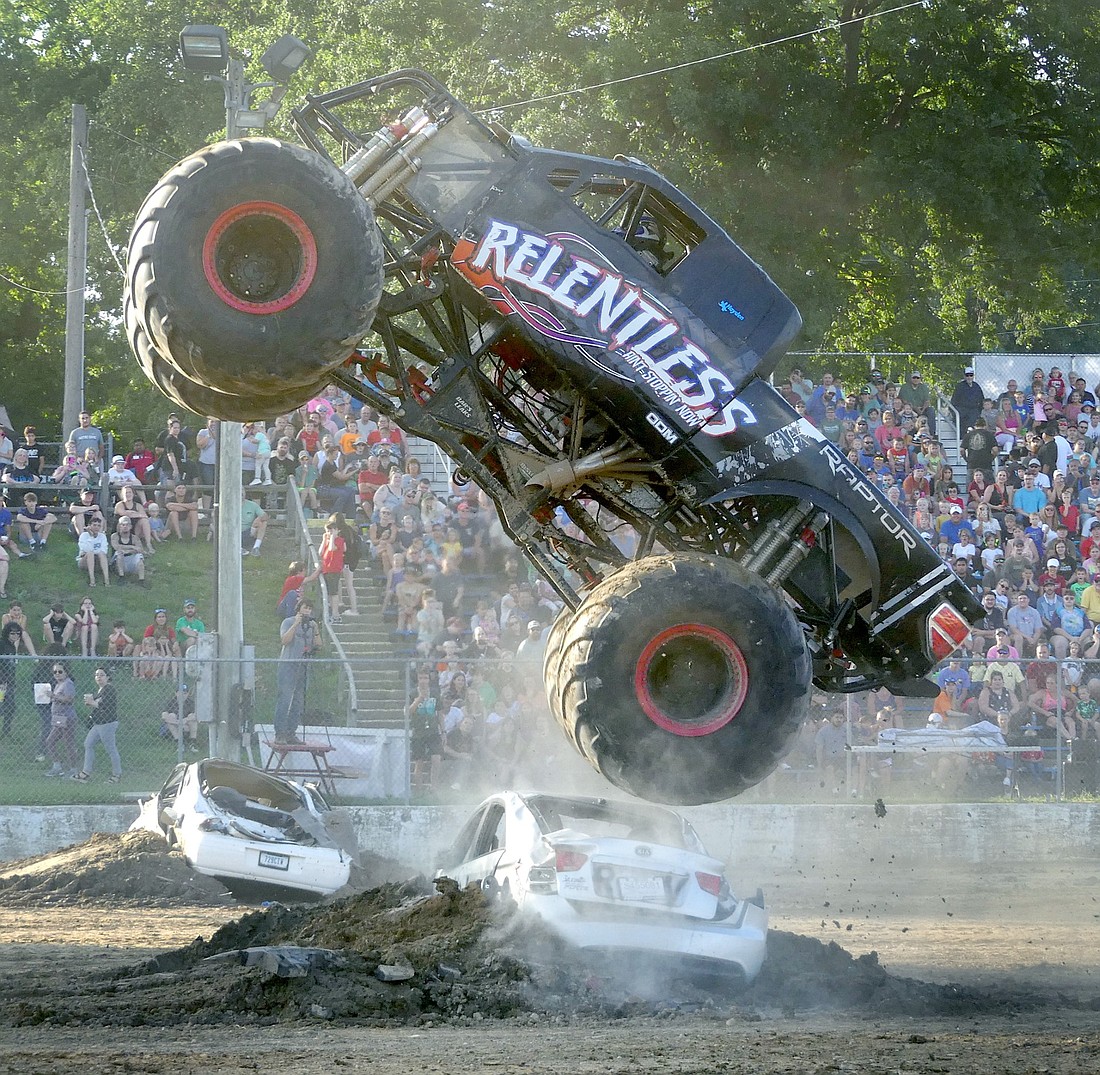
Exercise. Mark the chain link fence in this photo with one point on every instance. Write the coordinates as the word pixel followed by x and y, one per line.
pixel 377 732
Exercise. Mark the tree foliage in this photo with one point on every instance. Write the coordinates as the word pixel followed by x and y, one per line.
pixel 921 180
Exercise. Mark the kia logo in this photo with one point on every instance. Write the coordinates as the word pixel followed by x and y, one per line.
pixel 642 850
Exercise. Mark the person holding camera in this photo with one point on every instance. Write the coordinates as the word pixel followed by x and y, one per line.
pixel 300 639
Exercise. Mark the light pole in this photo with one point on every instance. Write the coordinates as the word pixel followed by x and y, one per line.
pixel 205 49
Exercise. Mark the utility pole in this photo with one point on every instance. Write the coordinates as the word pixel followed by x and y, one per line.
pixel 76 277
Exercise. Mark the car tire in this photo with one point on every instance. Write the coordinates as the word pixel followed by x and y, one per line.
pixel 682 678
pixel 254 268
pixel 196 397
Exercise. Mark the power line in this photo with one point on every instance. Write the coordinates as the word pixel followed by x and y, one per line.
pixel 35 291
pixel 98 215
pixel 835 25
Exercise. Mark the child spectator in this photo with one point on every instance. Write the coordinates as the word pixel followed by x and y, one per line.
pixel 119 643
pixel 93 552
pixel 58 626
pixel 87 627
pixel 158 531
pixel 35 521
pixel 332 566
pixel 258 438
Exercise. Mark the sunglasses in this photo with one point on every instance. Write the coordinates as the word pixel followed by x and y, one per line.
pixel 158 611
pixel 59 671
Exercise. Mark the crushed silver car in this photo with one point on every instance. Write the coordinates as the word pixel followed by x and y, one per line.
pixel 250 829
pixel 611 876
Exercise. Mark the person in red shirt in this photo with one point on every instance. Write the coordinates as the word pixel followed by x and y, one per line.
pixel 140 460
pixel 333 548
pixel 298 578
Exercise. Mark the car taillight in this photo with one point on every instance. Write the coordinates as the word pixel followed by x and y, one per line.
pixel 566 861
pixel 947 630
pixel 709 882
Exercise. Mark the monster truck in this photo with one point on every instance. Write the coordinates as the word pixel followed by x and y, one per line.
pixel 591 350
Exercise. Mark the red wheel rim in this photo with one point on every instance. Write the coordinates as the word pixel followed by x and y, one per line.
pixel 691 679
pixel 259 257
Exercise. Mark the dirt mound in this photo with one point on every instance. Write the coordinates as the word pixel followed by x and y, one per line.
pixel 126 867
pixel 400 954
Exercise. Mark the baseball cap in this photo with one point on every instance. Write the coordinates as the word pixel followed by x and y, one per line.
pixel 914 376
pixel 1053 562
pixel 1033 463
pixel 533 623
pixel 119 459
pixel 956 510
pixel 969 369
pixel 188 601
pixel 1096 577
pixel 935 718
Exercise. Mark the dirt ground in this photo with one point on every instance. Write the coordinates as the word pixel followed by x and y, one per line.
pixel 873 968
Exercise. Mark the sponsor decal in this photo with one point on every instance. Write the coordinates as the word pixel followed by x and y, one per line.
pixel 727 307
pixel 604 310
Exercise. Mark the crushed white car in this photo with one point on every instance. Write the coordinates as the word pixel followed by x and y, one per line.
pixel 612 877
pixel 251 830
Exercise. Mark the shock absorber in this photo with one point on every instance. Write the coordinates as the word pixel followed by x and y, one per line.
pixel 400 168
pixel 798 551
pixel 777 534
pixel 370 155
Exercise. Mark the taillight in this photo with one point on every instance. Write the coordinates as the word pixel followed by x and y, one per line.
pixel 709 882
pixel 947 630
pixel 566 861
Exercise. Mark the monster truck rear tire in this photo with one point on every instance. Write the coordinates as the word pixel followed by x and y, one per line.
pixel 255 266
pixel 682 678
pixel 196 397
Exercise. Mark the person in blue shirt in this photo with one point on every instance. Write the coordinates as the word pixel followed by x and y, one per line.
pixel 1028 498
pixel 954 673
pixel 954 525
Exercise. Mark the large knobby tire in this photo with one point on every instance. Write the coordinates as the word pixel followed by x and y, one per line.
pixel 255 266
pixel 682 678
pixel 196 397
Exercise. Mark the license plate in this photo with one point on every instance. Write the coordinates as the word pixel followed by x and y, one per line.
pixel 648 889
pixel 272 861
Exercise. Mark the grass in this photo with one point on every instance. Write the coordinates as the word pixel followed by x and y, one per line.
pixel 178 571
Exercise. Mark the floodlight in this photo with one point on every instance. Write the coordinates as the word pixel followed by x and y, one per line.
pixel 205 49
pixel 284 57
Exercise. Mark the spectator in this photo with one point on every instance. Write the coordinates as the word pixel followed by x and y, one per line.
pixel 126 553
pixel 165 644
pixel 183 512
pixel 19 469
pixel 426 735
pixel 258 438
pixel 35 522
pixel 967 399
pixel 283 463
pixel 206 445
pixel 177 717
pixel 1089 600
pixel 430 623
pixel 16 615
pixel 533 648
pixel 130 507
pixel 87 627
pixel 104 718
pixel 172 464
pixel 83 510
pixel 58 626
pixel 300 639
pixel 353 551
pixel 119 642
pixel 29 444
pixel 332 566
pixel 11 636
pixel 93 552
pixel 87 436
pixel 61 741
pixel 253 525
pixel 158 531
pixel 140 460
pixel 118 474
pixel 1025 625
pixel 383 539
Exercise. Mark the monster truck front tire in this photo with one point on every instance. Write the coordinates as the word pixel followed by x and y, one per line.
pixel 255 266
pixel 682 678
